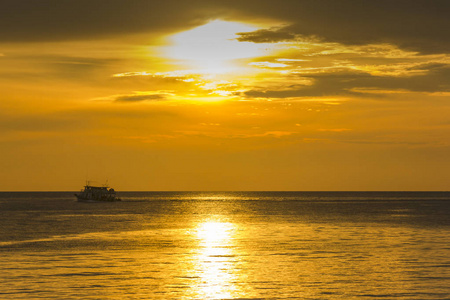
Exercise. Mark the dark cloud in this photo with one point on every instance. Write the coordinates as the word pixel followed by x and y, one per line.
pixel 348 82
pixel 140 98
pixel 420 25
pixel 53 20
pixel 436 79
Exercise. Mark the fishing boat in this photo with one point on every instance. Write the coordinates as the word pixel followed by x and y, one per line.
pixel 92 193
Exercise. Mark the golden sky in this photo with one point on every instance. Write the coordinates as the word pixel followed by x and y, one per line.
pixel 225 95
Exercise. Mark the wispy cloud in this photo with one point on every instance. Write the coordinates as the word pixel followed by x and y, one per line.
pixel 267 64
pixel 137 97
pixel 270 35
pixel 141 97
pixel 347 71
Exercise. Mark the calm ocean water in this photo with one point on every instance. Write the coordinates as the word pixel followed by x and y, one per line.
pixel 231 245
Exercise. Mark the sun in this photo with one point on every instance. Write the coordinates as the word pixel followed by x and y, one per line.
pixel 213 47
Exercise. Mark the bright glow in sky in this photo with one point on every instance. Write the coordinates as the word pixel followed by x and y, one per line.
pixel 213 47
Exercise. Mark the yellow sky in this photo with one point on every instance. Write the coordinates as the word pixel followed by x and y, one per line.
pixel 234 97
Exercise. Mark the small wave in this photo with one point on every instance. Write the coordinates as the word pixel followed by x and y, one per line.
pixel 80 274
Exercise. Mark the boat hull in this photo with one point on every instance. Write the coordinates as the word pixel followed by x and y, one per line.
pixel 82 199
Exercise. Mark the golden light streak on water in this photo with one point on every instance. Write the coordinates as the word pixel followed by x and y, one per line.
pixel 213 263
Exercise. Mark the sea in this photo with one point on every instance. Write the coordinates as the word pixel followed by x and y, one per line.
pixel 226 245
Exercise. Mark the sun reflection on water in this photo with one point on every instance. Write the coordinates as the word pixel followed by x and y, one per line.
pixel 215 260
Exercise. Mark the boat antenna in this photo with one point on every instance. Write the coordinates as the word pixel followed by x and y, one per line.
pixel 87 174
